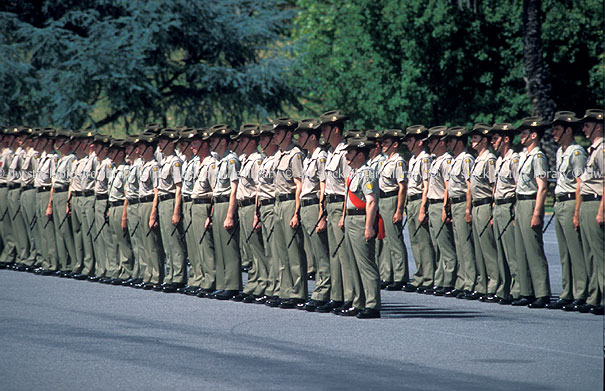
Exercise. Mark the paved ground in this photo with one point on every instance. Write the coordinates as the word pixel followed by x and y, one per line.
pixel 60 334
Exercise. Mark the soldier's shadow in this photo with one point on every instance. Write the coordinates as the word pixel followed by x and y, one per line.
pixel 399 310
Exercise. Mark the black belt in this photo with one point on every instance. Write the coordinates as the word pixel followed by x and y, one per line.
pixel 12 186
pixel 457 200
pixel 147 198
pixel 165 197
pixel 245 202
pixel 202 200
pixel 87 193
pixel 285 197
pixel 502 201
pixel 309 201
pixel 186 198
pixel 432 201
pixel 60 189
pixel 101 197
pixel 414 197
pixel 483 201
pixel 591 197
pixel 335 198
pixel 356 212
pixel 565 197
pixel 116 203
pixel 27 187
pixel 388 193
pixel 220 199
pixel 43 189
pixel 133 201
pixel 525 197
pixel 2 185
pixel 267 201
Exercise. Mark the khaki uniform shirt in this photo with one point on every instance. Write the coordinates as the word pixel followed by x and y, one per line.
pixel 117 191
pixel 76 178
pixel 29 167
pixel 132 179
pixel 439 171
pixel 104 173
pixel 170 174
pixel 89 171
pixel 47 165
pixel 418 172
pixel 592 178
pixel 289 165
pixel 363 182
pixel 5 161
pixel 377 162
pixel 314 172
pixel 64 171
pixel 227 171
pixel 191 169
pixel 570 165
pixel 459 174
pixel 206 178
pixel 337 170
pixel 532 165
pixel 248 176
pixel 266 178
pixel 507 168
pixel 14 169
pixel 483 176
pixel 392 172
pixel 149 178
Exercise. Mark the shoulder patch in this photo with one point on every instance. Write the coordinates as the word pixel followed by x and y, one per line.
pixel 467 160
pixel 259 162
pixel 539 155
pixel 322 160
pixel 299 156
pixel 576 153
pixel 213 166
pixel 448 161
pixel 109 165
pixel 400 164
pixel 425 160
pixel 515 160
pixel 232 161
pixel 177 164
pixel 491 162
pixel 370 186
pixel 155 168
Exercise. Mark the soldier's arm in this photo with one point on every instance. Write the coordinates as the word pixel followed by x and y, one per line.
pixel 540 199
pixel 469 203
pixel 176 215
pixel 576 212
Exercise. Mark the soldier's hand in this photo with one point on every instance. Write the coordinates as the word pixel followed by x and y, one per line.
pixel 321 226
pixel 369 233
pixel 49 211
pixel 124 224
pixel 397 217
pixel 468 216
pixel 576 221
pixel 600 218
pixel 153 222
pixel 421 215
pixel 229 223
pixel 536 221
pixel 341 223
pixel 208 224
pixel 256 224
pixel 67 210
pixel 491 221
pixel 443 215
pixel 294 221
pixel 176 218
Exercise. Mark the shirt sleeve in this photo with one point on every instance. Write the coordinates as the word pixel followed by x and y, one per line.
pixel 233 168
pixel 490 170
pixel 467 168
pixel 296 165
pixel 540 165
pixel 401 171
pixel 578 162
pixel 177 174
pixel 321 167
pixel 369 182
pixel 155 176
pixel 425 167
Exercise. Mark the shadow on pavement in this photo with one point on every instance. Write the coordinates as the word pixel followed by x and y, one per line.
pixel 399 310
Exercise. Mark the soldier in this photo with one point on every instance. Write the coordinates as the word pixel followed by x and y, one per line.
pixel 441 229
pixel 483 176
pixel 592 211
pixel 169 212
pixel 392 183
pixel 119 249
pixel 418 227
pixel 361 222
pixel 571 161
pixel 507 167
pixel 288 235
pixel 313 211
pixel 337 169
pixel 104 265
pixel 250 238
pixel 529 217
pixel 200 210
pixel 225 229
pixel 6 231
pixel 29 166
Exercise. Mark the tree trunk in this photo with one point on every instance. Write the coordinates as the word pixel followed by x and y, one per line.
pixel 537 74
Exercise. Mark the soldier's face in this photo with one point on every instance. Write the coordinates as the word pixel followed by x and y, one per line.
pixel 496 141
pixel 589 129
pixel 386 145
pixel 162 143
pixel 525 136
pixel 557 132
pixel 195 146
pixel 476 141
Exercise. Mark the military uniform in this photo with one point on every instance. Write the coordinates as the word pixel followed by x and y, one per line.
pixel 6 229
pixel 136 227
pixel 29 208
pixel 105 266
pixel 46 229
pixel 78 224
pixel 15 209
pixel 190 173
pixel 86 172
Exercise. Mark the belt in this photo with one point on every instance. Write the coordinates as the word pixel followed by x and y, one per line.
pixel 87 193
pixel 414 197
pixel 457 200
pixel 245 202
pixel 60 189
pixel 12 186
pixel 101 197
pixel 165 197
pixel 483 201
pixel 220 199
pixel 432 201
pixel 133 201
pixel 43 189
pixel 309 201
pixel 502 201
pixel 202 201
pixel 186 198
pixel 267 201
pixel 147 198
pixel 285 197
pixel 388 193
pixel 2 185
pixel 524 197
pixel 591 197
pixel 27 187
pixel 335 198
pixel 356 212
pixel 116 203
pixel 565 197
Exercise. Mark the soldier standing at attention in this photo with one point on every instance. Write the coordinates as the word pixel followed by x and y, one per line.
pixel 418 227
pixel 337 169
pixel 529 217
pixel 225 229
pixel 104 267
pixel 169 211
pixel 483 176
pixel 29 210
pixel 86 172
pixel 507 167
pixel 592 212
pixel 6 230
pixel 571 161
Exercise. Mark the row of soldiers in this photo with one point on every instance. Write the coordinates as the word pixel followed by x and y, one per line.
pixel 134 211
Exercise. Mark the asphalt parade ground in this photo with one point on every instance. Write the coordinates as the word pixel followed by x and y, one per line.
pixel 63 334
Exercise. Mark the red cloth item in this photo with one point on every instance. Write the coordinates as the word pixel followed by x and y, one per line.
pixel 359 204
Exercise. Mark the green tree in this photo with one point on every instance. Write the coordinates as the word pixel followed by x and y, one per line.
pixel 123 63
